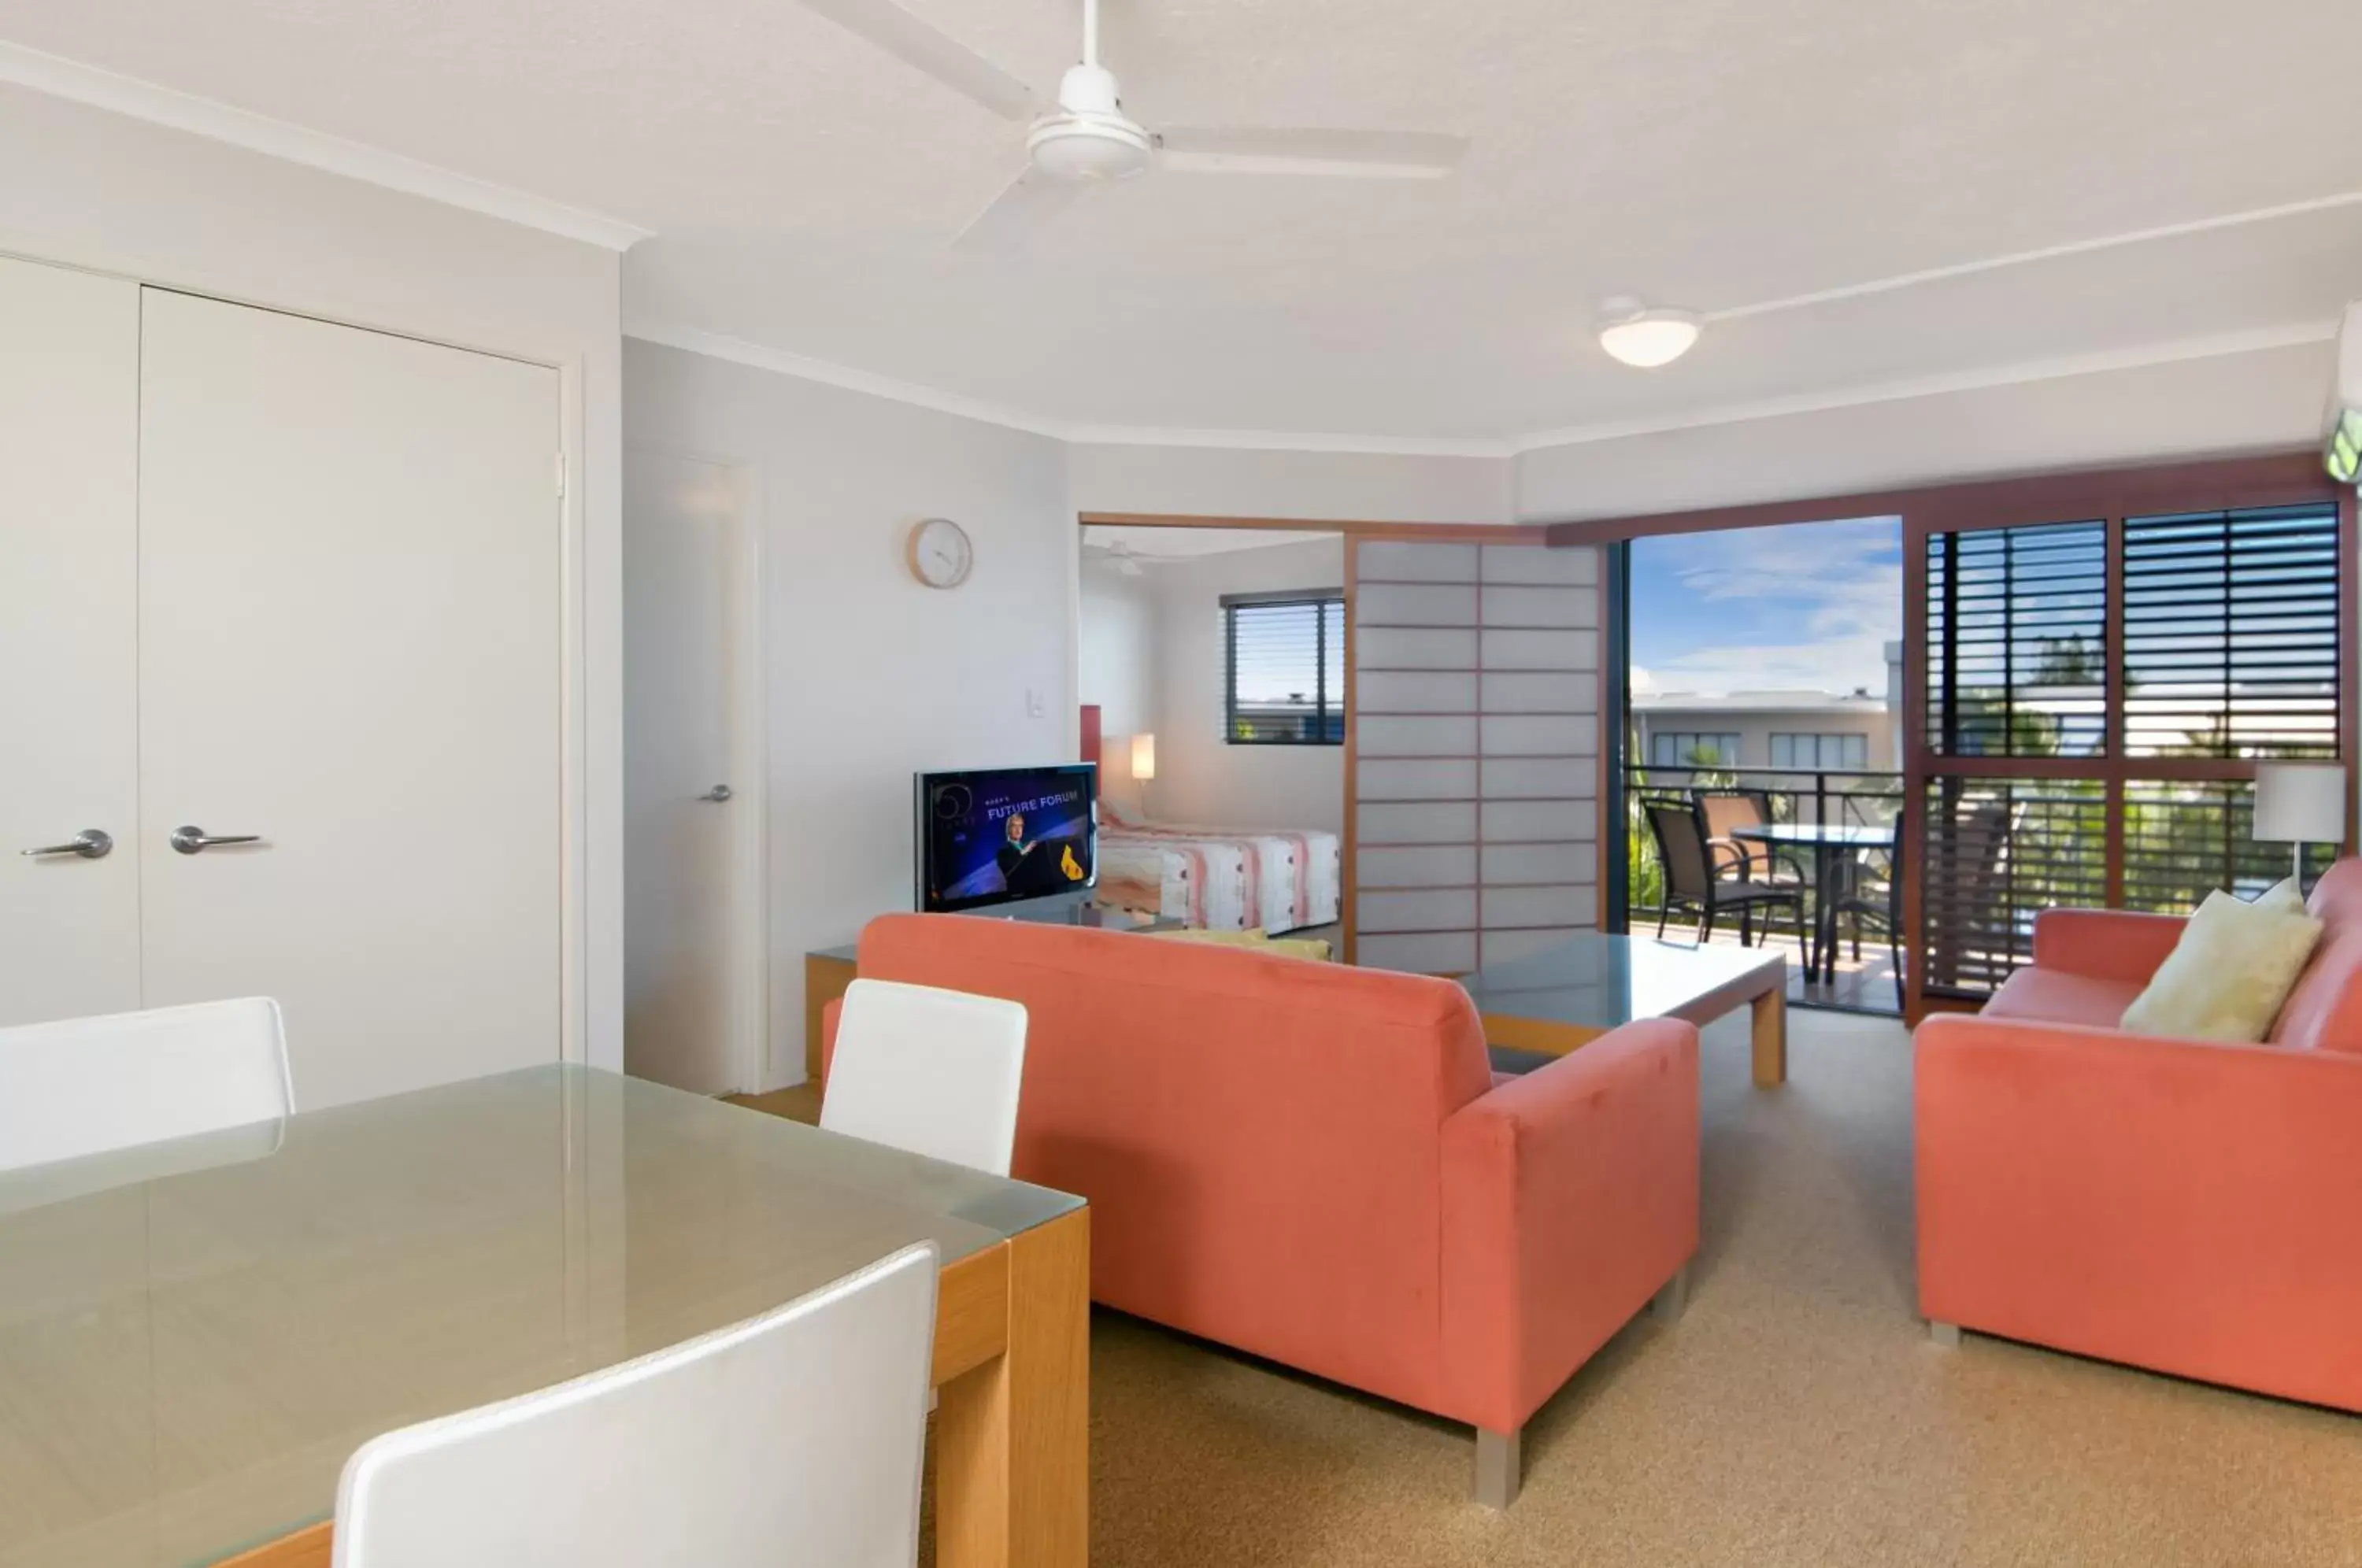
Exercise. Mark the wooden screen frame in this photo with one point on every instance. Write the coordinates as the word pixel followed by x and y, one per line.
pixel 2106 495
pixel 1353 531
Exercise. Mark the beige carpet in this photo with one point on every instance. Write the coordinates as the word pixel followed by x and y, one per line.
pixel 1795 1415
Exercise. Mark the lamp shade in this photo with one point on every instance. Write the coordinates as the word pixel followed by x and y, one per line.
pixel 1144 759
pixel 2300 803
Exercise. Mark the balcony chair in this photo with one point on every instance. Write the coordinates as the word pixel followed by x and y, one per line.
pixel 1691 881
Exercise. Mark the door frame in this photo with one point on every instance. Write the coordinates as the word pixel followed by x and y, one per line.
pixel 590 890
pixel 1353 531
pixel 752 1043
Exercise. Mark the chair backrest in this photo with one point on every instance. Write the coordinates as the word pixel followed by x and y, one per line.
pixel 936 1072
pixel 1680 848
pixel 1259 1137
pixel 794 1437
pixel 1726 809
pixel 85 1086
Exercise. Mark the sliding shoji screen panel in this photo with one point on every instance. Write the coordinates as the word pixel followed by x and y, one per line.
pixel 1477 741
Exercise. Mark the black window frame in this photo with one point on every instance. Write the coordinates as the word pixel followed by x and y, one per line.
pixel 1329 707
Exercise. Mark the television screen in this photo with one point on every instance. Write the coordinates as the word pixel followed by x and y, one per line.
pixel 1001 834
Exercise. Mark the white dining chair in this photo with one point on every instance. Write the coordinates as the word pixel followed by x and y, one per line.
pixel 932 1071
pixel 792 1439
pixel 86 1085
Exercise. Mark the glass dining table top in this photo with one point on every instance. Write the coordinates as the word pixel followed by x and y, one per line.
pixel 1845 836
pixel 1600 979
pixel 195 1335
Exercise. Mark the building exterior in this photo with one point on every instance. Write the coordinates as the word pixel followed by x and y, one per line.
pixel 1857 731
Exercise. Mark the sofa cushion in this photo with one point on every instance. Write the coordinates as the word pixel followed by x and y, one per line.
pixel 2324 1011
pixel 2227 977
pixel 2056 996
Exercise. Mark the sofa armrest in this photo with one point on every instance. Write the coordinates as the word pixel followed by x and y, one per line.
pixel 2190 1206
pixel 2105 945
pixel 1569 1196
pixel 830 1013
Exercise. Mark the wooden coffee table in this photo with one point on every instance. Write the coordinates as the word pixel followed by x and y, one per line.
pixel 1571 993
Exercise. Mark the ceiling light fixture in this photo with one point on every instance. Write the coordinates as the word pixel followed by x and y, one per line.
pixel 1091 137
pixel 1644 335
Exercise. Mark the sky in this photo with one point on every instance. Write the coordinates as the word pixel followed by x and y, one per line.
pixel 1808 606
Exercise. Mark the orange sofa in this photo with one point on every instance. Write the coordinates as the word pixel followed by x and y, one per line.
pixel 2192 1207
pixel 1314 1163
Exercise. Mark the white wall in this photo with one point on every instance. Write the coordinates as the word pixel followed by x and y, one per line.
pixel 2268 400
pixel 1199 778
pixel 1117 647
pixel 872 676
pixel 1323 486
pixel 91 189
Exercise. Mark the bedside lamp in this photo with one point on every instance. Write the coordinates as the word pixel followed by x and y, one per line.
pixel 1143 764
pixel 2299 803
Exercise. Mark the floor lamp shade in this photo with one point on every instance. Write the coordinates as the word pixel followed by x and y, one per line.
pixel 2300 803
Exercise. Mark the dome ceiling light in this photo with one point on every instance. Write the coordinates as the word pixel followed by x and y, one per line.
pixel 1646 336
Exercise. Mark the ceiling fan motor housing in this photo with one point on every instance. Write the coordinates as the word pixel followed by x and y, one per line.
pixel 1089 137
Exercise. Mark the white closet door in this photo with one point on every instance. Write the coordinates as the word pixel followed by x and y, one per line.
pixel 349 579
pixel 69 709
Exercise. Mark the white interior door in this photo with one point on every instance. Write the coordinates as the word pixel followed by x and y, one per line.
pixel 69 704
pixel 349 648
pixel 689 857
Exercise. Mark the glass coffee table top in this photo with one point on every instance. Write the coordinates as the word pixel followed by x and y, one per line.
pixel 1598 980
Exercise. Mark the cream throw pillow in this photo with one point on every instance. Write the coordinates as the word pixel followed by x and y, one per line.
pixel 2227 977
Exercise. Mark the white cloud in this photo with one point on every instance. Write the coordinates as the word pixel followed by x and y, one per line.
pixel 1826 581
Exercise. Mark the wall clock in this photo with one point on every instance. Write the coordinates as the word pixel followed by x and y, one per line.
pixel 939 552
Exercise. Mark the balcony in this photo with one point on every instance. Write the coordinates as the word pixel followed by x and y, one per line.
pixel 1859 974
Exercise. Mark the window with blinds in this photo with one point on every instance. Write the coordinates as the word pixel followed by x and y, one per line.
pixel 2018 641
pixel 2051 780
pixel 1283 668
pixel 2231 633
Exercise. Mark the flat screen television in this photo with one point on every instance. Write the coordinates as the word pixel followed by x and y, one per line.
pixel 1006 835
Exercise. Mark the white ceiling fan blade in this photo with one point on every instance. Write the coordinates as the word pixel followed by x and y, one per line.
pixel 1030 200
pixel 941 56
pixel 1365 155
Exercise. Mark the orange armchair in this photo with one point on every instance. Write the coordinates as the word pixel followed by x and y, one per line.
pixel 1314 1163
pixel 2188 1207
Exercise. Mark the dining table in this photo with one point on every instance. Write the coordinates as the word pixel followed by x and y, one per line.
pixel 1834 846
pixel 195 1335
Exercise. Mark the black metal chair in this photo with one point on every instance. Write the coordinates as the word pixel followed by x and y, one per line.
pixel 1976 845
pixel 1866 897
pixel 1691 882
pixel 1738 807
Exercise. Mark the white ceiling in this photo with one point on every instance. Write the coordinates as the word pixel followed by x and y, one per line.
pixel 1724 154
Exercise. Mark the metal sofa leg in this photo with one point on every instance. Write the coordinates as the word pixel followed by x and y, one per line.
pixel 1946 1335
pixel 1500 1467
pixel 1673 1297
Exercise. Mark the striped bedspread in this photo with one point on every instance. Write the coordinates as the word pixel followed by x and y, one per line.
pixel 1219 879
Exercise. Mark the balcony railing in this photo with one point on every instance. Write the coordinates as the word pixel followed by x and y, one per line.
pixel 1854 797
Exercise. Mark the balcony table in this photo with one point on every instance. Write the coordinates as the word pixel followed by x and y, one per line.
pixel 1833 845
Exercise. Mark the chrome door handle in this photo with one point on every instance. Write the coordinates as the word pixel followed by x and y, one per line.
pixel 90 844
pixel 190 840
pixel 717 795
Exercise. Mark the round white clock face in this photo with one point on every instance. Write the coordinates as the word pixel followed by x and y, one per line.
pixel 939 553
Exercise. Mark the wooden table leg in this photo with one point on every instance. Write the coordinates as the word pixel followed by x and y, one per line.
pixel 1771 1038
pixel 1012 1438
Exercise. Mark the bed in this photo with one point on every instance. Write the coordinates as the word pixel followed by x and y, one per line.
pixel 1219 879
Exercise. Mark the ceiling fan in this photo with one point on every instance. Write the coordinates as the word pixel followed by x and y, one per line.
pixel 1088 137
pixel 1117 554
